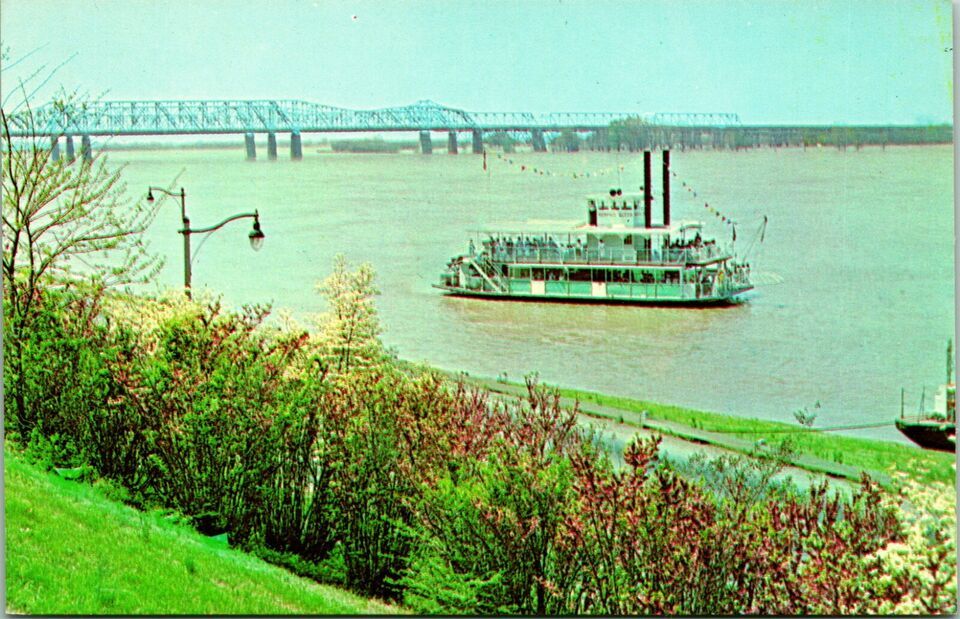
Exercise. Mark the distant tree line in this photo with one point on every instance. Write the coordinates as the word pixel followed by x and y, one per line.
pixel 635 134
pixel 846 136
pixel 371 145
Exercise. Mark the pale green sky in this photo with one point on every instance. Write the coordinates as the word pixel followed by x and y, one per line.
pixel 771 61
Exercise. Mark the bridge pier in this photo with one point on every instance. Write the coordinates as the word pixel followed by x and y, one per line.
pixel 651 139
pixel 477 141
pixel 537 141
pixel 86 149
pixel 71 155
pixel 696 139
pixel 727 139
pixel 272 146
pixel 55 148
pixel 426 146
pixel 296 146
pixel 251 147
pixel 452 146
pixel 599 139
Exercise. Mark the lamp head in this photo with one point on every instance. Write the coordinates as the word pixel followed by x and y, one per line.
pixel 150 194
pixel 256 235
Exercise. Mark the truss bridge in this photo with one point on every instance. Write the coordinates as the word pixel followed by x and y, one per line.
pixel 250 117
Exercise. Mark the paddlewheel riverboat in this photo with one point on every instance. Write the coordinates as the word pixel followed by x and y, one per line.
pixel 617 256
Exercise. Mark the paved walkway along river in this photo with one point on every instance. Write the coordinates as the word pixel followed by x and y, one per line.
pixel 682 441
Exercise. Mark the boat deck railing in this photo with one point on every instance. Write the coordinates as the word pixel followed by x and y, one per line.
pixel 929 417
pixel 577 255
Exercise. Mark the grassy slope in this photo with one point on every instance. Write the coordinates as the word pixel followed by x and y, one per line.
pixel 71 550
pixel 920 464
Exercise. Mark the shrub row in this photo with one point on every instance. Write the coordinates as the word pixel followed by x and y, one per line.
pixel 402 486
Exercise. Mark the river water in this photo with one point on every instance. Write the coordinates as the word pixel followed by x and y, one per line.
pixel 863 242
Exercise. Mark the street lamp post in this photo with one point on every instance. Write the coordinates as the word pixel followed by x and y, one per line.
pixel 256 235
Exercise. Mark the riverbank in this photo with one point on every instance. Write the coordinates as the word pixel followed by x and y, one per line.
pixel 816 451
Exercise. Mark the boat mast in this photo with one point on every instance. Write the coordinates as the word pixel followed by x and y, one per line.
pixel 949 360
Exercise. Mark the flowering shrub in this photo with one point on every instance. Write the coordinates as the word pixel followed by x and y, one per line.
pixel 348 332
pixel 918 575
pixel 60 374
pixel 488 527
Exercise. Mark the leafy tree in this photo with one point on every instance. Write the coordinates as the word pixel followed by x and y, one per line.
pixel 349 330
pixel 501 139
pixel 567 141
pixel 63 223
pixel 632 133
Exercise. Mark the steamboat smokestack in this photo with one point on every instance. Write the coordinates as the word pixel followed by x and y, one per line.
pixel 647 193
pixel 666 188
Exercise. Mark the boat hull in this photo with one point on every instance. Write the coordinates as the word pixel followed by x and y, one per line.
pixel 734 299
pixel 930 434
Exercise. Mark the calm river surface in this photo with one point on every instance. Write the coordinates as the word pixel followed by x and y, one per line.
pixel 862 240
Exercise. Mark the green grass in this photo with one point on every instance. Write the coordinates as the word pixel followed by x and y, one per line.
pixel 920 464
pixel 71 550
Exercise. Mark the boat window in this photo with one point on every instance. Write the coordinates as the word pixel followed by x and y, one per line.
pixel 599 275
pixel 647 277
pixel 628 240
pixel 553 274
pixel 537 274
pixel 520 272
pixel 672 277
pixel 620 276
pixel 579 275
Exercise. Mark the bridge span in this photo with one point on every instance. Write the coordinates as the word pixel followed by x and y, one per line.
pixel 249 117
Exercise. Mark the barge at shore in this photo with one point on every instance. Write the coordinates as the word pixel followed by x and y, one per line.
pixel 617 256
pixel 936 429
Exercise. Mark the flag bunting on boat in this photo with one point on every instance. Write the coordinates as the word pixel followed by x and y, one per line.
pixel 603 172
pixel 543 172
pixel 719 215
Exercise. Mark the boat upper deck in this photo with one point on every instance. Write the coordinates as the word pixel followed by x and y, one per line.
pixel 679 229
pixel 548 250
pixel 606 242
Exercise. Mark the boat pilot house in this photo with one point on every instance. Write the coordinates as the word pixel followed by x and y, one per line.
pixel 618 255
